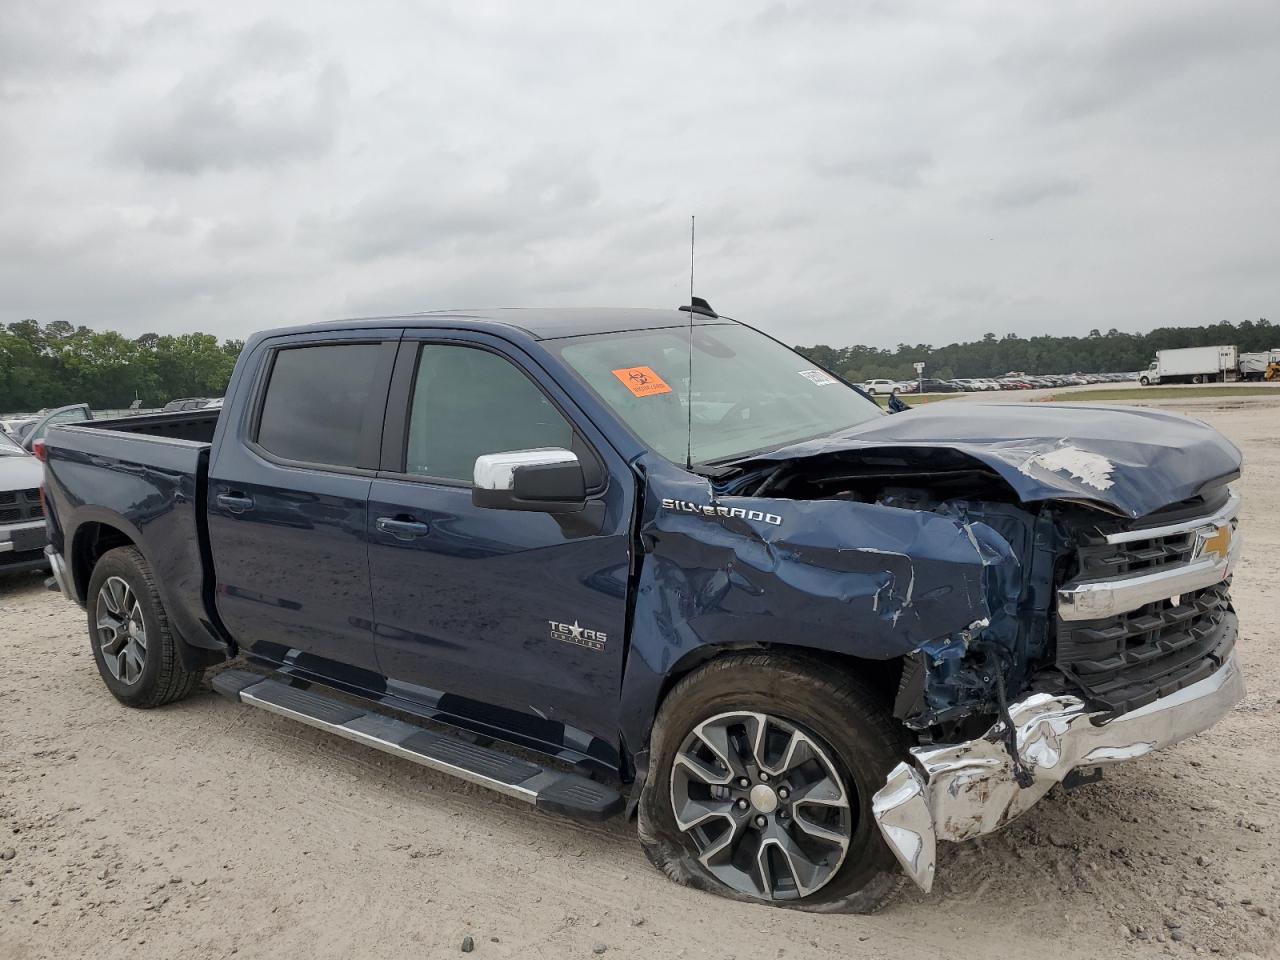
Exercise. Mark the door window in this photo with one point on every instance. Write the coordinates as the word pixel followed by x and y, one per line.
pixel 468 402
pixel 320 408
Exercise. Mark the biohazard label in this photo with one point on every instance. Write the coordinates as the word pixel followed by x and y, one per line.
pixel 642 381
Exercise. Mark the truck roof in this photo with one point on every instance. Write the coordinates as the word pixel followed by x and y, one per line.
pixel 539 323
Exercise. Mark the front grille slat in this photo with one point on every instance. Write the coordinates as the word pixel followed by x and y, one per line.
pixel 1126 661
pixel 20 506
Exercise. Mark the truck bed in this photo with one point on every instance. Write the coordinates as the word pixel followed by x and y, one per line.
pixel 141 481
pixel 197 425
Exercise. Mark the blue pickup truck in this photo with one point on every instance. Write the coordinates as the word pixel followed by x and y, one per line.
pixel 654 562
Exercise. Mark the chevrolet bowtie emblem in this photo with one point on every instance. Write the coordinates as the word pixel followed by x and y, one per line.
pixel 1219 543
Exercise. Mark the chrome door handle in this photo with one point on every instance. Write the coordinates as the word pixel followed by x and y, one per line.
pixel 235 503
pixel 402 529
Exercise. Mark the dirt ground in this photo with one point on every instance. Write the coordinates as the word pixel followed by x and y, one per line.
pixel 208 829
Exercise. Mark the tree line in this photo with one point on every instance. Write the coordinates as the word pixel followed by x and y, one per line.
pixel 992 356
pixel 54 364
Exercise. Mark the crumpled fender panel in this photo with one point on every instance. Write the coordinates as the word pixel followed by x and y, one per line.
pixel 871 581
pixel 1129 461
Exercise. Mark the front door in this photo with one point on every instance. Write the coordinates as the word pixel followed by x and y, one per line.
pixel 288 495
pixel 505 620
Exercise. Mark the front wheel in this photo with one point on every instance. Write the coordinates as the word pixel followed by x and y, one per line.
pixel 1144 381
pixel 133 644
pixel 761 773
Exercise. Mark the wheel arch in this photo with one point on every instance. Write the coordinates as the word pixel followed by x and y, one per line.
pixel 94 538
pixel 881 676
pixel 91 540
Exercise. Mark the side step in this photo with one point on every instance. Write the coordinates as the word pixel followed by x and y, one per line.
pixel 565 793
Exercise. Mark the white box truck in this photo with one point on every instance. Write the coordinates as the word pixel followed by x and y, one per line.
pixel 1192 365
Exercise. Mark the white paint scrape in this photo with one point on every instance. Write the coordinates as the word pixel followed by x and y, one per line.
pixel 1089 468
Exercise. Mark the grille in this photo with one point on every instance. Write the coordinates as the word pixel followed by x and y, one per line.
pixel 1126 661
pixel 1099 560
pixel 17 506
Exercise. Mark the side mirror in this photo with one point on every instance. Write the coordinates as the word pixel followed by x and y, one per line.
pixel 549 480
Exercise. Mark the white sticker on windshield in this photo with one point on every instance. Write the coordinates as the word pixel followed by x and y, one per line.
pixel 820 377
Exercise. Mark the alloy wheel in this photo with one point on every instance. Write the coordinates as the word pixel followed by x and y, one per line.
pixel 122 634
pixel 763 803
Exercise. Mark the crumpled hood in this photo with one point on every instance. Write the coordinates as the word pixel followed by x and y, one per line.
pixel 1130 460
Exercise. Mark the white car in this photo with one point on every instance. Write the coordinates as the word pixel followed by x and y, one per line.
pixel 884 387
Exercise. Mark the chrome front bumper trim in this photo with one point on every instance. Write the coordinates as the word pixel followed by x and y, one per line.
pixel 10 532
pixel 960 791
pixel 60 572
pixel 1209 564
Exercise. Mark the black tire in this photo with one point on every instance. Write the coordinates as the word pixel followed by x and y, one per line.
pixel 163 679
pixel 1145 382
pixel 835 709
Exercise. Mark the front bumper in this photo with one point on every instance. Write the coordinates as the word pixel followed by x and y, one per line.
pixel 963 790
pixel 19 546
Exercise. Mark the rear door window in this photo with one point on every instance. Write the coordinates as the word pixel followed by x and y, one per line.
pixel 324 405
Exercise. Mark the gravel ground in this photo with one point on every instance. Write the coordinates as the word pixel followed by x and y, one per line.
pixel 206 829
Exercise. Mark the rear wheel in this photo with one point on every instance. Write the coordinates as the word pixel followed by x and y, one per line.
pixel 133 644
pixel 762 769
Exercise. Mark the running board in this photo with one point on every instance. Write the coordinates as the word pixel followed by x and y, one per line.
pixel 569 794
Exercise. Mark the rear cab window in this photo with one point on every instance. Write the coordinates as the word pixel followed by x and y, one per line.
pixel 323 404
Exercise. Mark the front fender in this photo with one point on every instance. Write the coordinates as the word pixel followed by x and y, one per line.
pixel 860 579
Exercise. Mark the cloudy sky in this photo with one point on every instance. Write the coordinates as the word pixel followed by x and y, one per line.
pixel 867 171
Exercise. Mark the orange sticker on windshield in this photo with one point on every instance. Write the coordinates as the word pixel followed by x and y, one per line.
pixel 642 381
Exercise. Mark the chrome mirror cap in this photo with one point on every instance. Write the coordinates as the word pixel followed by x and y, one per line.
pixel 496 471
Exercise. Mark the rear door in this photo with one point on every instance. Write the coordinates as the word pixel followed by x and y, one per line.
pixel 505 620
pixel 288 495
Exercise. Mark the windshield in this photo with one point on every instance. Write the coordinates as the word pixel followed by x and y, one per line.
pixel 10 449
pixel 750 393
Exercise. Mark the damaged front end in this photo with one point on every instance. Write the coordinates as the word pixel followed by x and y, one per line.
pixel 958 791
pixel 1143 657
pixel 1043 610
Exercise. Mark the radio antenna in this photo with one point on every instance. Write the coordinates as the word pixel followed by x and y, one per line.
pixel 688 453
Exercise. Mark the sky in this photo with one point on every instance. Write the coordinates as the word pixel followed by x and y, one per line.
pixel 862 171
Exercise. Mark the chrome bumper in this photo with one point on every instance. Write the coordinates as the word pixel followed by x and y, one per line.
pixel 963 790
pixel 1214 552
pixel 60 573
pixel 10 534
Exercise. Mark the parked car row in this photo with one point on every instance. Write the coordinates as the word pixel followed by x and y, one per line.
pixel 1011 381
